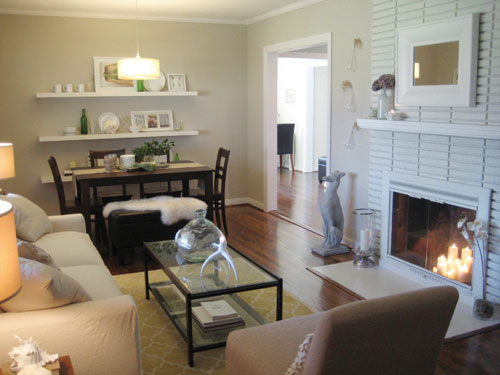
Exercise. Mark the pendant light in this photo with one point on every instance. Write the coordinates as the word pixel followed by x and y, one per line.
pixel 138 68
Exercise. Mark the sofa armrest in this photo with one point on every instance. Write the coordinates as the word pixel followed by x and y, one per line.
pixel 72 222
pixel 101 336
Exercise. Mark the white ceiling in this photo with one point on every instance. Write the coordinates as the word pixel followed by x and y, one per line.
pixel 217 11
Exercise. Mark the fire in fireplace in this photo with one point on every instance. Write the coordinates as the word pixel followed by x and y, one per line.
pixel 425 233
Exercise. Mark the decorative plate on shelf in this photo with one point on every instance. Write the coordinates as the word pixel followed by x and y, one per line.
pixel 108 123
pixel 155 85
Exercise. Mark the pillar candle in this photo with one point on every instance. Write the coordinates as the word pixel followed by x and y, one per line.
pixel 453 252
pixel 463 273
pixel 466 252
pixel 364 239
pixel 442 267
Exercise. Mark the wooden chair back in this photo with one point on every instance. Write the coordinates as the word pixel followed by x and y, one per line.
pixel 59 184
pixel 221 171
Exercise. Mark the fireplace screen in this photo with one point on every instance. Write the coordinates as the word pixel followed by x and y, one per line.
pixel 425 234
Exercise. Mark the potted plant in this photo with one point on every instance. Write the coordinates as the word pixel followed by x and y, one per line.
pixel 153 151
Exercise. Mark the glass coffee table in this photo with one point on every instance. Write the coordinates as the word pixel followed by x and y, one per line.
pixel 185 289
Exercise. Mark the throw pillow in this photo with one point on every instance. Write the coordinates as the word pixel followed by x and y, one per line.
pixel 297 366
pixel 44 287
pixel 29 250
pixel 31 221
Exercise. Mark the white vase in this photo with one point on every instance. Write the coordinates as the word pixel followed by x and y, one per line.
pixel 385 103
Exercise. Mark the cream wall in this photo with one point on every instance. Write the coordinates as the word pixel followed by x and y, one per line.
pixel 36 52
pixel 346 20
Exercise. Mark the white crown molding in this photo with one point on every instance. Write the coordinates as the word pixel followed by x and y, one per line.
pixel 279 11
pixel 119 16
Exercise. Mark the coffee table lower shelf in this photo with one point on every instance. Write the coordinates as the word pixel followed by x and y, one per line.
pixel 172 302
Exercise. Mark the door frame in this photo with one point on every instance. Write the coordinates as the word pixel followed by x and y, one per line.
pixel 270 108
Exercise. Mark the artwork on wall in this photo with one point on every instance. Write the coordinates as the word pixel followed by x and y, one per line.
pixel 176 82
pixel 152 120
pixel 106 76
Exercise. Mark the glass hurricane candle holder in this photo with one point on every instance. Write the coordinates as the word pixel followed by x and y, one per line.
pixel 363 242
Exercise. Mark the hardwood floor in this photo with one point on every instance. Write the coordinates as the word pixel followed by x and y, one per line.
pixel 284 248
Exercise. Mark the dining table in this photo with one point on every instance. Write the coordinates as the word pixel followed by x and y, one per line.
pixel 85 179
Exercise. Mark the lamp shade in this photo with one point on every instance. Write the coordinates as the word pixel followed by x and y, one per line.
pixel 7 169
pixel 138 68
pixel 10 279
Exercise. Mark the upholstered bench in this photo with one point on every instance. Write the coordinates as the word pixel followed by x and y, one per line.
pixel 129 229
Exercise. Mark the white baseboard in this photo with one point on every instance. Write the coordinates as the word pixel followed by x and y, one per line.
pixel 245 200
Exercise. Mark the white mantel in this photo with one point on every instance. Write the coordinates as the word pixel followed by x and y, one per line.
pixel 457 130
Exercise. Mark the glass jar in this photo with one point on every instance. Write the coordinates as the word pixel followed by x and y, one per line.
pixel 198 239
pixel 385 103
pixel 363 241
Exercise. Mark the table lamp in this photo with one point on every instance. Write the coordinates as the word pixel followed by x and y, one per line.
pixel 7 168
pixel 10 279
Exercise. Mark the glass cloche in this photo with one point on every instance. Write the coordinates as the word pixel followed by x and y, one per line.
pixel 198 239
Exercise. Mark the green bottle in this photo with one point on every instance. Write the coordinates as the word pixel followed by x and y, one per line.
pixel 177 156
pixel 84 129
pixel 140 85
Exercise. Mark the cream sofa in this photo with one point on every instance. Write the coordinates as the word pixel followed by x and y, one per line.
pixel 102 335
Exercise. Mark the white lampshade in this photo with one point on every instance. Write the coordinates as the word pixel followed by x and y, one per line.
pixel 138 68
pixel 10 278
pixel 7 169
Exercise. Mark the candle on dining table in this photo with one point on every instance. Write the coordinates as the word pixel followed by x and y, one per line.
pixel 466 252
pixel 463 273
pixel 364 239
pixel 453 252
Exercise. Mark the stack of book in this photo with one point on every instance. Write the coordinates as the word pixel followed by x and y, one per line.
pixel 215 315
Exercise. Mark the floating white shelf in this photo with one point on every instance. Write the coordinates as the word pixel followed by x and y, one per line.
pixel 50 179
pixel 457 130
pixel 54 95
pixel 98 137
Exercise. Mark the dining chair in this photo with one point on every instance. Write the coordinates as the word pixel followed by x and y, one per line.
pixel 219 189
pixel 107 196
pixel 153 189
pixel 394 335
pixel 67 207
pixel 285 142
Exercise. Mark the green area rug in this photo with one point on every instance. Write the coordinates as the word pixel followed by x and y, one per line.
pixel 164 350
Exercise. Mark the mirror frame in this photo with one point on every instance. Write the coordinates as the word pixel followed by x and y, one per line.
pixel 465 29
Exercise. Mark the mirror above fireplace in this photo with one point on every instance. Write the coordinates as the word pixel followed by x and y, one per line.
pixel 437 63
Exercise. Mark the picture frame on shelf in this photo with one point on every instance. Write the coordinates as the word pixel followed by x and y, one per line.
pixel 152 120
pixel 176 82
pixel 106 76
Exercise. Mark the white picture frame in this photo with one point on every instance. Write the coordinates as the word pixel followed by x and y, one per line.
pixel 463 29
pixel 176 82
pixel 152 120
pixel 106 77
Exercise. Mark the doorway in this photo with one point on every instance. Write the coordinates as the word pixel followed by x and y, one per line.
pixel 293 71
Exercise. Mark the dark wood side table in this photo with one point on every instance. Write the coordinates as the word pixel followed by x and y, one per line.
pixel 64 362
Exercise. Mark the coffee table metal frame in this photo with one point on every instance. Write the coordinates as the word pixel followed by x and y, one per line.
pixel 230 292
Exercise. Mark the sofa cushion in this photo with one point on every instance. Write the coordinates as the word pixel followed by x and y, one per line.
pixel 70 248
pixel 97 280
pixel 29 250
pixel 31 221
pixel 44 287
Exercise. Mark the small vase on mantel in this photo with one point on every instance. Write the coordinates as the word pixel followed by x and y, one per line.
pixel 385 103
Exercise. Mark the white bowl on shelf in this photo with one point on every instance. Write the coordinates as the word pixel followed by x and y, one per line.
pixel 135 129
pixel 69 130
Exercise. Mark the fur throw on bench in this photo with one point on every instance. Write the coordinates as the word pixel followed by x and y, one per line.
pixel 172 209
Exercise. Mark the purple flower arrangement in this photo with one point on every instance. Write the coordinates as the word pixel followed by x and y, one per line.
pixel 385 81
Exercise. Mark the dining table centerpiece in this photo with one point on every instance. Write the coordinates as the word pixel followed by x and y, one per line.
pixel 153 151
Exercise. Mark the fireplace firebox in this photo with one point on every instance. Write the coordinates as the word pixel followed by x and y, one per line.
pixel 419 234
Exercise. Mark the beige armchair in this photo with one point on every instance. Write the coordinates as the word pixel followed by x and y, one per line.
pixel 400 334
